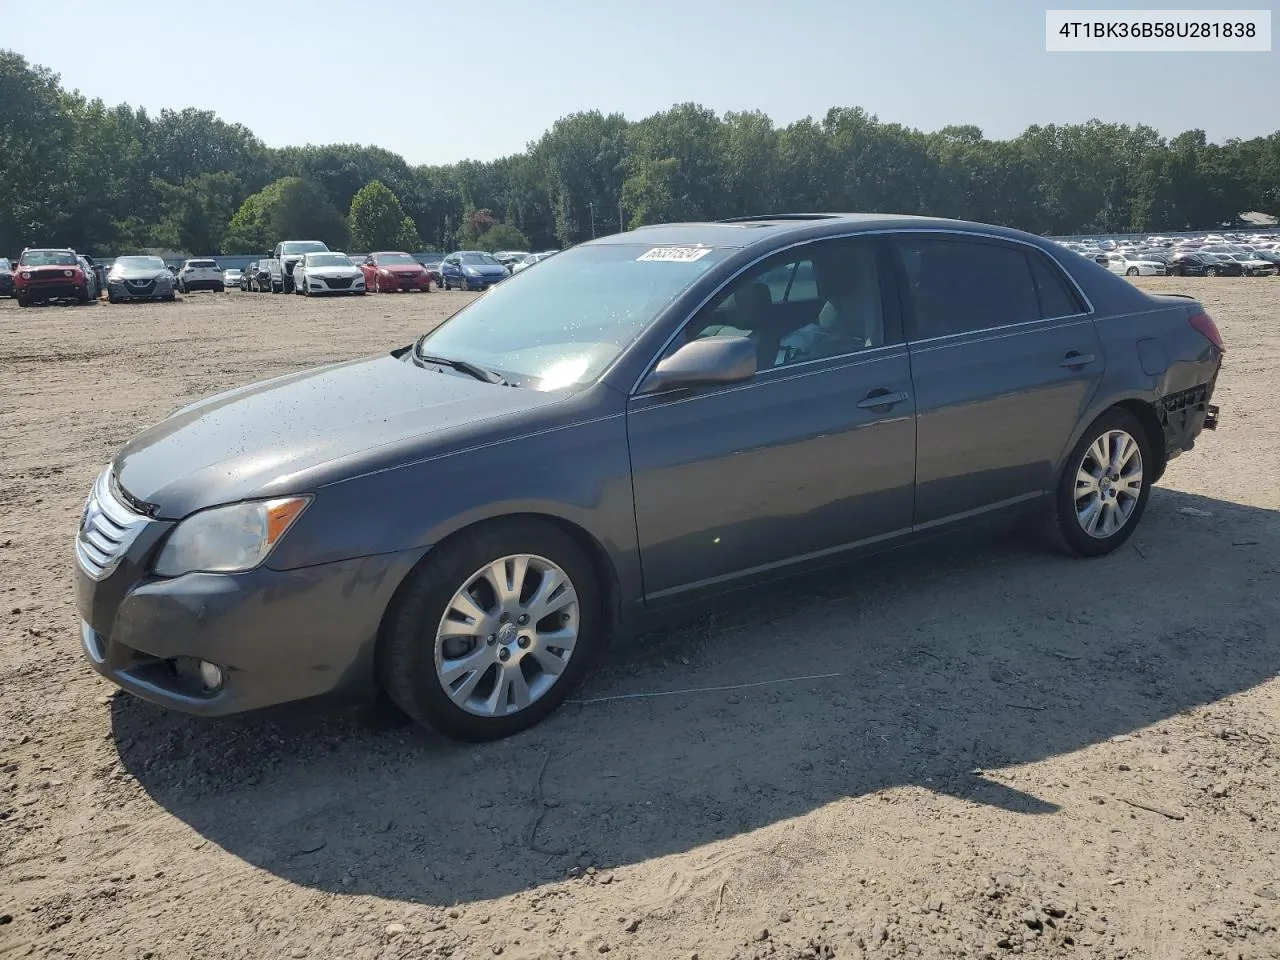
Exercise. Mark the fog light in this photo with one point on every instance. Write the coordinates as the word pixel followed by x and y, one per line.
pixel 210 675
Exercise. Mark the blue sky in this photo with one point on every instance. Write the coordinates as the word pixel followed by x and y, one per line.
pixel 444 81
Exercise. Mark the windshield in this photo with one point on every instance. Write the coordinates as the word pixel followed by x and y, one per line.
pixel 327 260
pixel 564 324
pixel 140 263
pixel 5 264
pixel 302 246
pixel 48 258
pixel 477 259
pixel 396 259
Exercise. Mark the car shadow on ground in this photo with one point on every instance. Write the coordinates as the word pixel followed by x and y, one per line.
pixel 946 660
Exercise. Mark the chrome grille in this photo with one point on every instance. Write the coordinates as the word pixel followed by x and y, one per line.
pixel 107 529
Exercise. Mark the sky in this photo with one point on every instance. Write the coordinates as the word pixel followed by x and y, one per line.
pixel 439 82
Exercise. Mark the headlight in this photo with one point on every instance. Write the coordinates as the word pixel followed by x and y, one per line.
pixel 26 275
pixel 228 539
pixel 384 272
pixel 68 273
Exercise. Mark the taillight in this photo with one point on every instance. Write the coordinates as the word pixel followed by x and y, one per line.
pixel 1203 324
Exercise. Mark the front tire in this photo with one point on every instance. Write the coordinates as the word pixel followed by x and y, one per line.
pixel 23 301
pixel 1105 485
pixel 1131 272
pixel 493 631
pixel 1211 271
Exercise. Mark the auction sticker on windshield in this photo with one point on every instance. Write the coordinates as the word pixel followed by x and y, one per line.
pixel 677 254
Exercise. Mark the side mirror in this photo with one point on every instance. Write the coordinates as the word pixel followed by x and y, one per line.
pixel 703 363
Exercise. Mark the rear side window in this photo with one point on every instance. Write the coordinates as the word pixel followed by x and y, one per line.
pixel 960 286
pixel 1057 299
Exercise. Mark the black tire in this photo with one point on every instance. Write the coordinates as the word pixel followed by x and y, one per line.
pixel 23 301
pixel 1076 539
pixel 446 284
pixel 406 655
pixel 1131 272
pixel 170 298
pixel 1211 271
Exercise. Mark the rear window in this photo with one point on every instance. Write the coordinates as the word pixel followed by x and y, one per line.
pixel 1057 299
pixel 203 263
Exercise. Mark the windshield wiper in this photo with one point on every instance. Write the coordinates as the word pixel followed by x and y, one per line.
pixel 466 366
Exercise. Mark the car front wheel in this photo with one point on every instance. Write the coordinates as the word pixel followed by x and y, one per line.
pixel 1131 272
pixel 492 633
pixel 1105 486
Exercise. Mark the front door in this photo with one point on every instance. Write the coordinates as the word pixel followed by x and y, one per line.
pixel 812 458
pixel 1005 359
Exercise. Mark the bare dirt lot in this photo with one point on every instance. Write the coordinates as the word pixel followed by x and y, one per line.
pixel 1018 753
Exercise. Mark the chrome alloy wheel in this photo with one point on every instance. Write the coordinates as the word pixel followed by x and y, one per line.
pixel 507 635
pixel 1108 484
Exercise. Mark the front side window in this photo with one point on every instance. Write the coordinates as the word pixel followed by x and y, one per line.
pixel 567 321
pixel 822 301
pixel 959 286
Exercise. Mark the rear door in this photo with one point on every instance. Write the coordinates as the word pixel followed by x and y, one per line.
pixel 1004 359
pixel 811 458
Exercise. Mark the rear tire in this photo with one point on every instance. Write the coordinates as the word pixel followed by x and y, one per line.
pixel 1211 271
pixel 1097 505
pixel 412 652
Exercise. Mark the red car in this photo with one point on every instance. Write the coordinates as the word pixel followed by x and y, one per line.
pixel 45 275
pixel 392 271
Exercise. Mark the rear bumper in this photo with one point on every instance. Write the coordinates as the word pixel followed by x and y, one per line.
pixel 203 284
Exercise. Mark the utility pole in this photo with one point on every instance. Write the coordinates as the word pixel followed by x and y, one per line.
pixel 622 224
pixel 592 207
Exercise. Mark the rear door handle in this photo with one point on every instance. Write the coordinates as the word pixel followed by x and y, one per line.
pixel 1074 359
pixel 881 398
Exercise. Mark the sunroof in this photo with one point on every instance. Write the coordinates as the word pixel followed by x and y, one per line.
pixel 780 216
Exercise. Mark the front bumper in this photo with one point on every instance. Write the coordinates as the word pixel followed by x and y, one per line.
pixel 6 285
pixel 51 291
pixel 151 290
pixel 277 635
pixel 395 284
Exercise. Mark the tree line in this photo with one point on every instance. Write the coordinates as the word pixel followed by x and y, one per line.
pixel 115 179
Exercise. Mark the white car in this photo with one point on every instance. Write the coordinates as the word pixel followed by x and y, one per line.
pixel 330 272
pixel 529 261
pixel 200 275
pixel 231 277
pixel 1132 265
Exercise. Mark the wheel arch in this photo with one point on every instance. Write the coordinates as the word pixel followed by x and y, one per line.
pixel 601 562
pixel 1143 410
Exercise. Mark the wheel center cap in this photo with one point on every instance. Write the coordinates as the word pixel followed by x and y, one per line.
pixel 507 633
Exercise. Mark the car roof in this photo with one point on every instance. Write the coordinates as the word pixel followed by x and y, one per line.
pixel 744 231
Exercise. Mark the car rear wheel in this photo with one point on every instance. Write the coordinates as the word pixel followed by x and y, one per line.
pixel 1104 488
pixel 492 633
pixel 1211 271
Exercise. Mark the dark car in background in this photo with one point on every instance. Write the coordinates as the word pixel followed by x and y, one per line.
pixel 6 277
pixel 140 278
pixel 1223 265
pixel 471 270
pixel 431 264
pixel 247 276
pixel 643 422
pixel 1192 264
pixel 48 274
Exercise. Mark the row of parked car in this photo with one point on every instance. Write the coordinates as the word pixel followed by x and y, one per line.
pixel 1213 255
pixel 310 268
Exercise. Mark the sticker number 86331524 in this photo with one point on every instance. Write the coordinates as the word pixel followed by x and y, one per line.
pixel 675 254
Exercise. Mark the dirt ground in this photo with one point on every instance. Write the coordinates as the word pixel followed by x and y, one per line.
pixel 1012 751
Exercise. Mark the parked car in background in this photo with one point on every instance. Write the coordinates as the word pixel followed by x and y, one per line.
pixel 639 423
pixel 231 277
pixel 247 275
pixel 509 258
pixel 1222 265
pixel 289 253
pixel 90 277
pixel 431 264
pixel 275 273
pixel 260 277
pixel 1131 264
pixel 471 270
pixel 530 260
pixel 200 274
pixel 6 277
pixel 1193 264
pixel 140 278
pixel 394 271
pixel 1269 255
pixel 328 272
pixel 1252 265
pixel 48 274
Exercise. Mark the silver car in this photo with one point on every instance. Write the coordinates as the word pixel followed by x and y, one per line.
pixel 140 278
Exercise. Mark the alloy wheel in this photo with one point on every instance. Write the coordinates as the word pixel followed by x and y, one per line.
pixel 1108 484
pixel 507 635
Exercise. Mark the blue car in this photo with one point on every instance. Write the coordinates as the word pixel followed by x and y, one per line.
pixel 471 270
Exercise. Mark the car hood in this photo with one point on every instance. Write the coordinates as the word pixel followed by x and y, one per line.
pixel 333 272
pixel 297 432
pixel 140 273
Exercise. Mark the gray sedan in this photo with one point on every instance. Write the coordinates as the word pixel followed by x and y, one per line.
pixel 140 278
pixel 645 421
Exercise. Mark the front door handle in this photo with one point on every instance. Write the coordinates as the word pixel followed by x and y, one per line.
pixel 881 398
pixel 1074 359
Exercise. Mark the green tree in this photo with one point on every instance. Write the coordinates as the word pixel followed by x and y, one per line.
pixel 377 221
pixel 288 209
pixel 502 236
